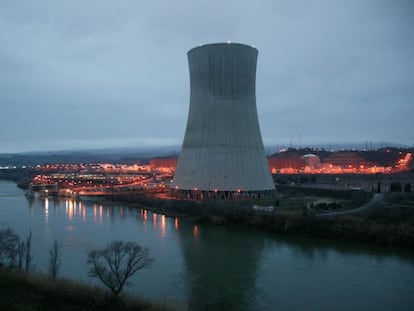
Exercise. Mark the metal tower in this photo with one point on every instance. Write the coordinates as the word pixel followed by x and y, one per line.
pixel 222 155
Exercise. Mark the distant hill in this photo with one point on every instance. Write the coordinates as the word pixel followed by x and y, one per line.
pixel 143 154
pixel 109 155
pixel 337 146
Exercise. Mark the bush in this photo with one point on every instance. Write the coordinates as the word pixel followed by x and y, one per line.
pixel 396 187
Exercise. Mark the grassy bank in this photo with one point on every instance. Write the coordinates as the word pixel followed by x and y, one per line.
pixel 368 227
pixel 21 291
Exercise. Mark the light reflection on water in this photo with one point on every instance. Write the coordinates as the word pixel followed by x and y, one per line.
pixel 216 266
pixel 78 209
pixel 46 209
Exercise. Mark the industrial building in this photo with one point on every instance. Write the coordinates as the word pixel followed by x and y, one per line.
pixel 222 155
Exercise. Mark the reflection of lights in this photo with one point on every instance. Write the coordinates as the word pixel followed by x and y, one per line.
pixel 94 212
pixel 176 223
pixel 154 219
pixel 70 210
pixel 46 209
pixel 163 226
pixel 195 231
pixel 163 221
pixel 144 214
pixel 100 213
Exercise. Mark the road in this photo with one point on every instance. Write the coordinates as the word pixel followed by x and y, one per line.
pixel 378 197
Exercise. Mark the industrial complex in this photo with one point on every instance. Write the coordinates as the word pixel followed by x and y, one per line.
pixel 222 156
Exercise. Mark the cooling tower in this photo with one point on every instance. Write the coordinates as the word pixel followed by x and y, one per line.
pixel 222 155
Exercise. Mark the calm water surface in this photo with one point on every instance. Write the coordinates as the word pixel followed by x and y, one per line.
pixel 228 268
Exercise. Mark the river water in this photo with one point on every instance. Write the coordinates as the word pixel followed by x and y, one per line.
pixel 221 267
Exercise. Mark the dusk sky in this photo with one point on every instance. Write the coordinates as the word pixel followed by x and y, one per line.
pixel 93 74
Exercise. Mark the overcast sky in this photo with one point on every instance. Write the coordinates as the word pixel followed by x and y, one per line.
pixel 92 74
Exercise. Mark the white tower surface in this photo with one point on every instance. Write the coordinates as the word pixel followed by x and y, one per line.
pixel 222 155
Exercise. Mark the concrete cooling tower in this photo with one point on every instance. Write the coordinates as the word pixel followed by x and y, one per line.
pixel 222 155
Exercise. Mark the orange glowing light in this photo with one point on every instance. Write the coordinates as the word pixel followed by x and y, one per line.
pixel 163 226
pixel 46 209
pixel 94 212
pixel 195 231
pixel 70 210
pixel 176 223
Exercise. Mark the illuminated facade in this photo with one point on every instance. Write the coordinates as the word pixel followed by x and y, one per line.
pixel 341 162
pixel 163 164
pixel 222 155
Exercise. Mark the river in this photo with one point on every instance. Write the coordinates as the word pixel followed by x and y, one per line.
pixel 221 267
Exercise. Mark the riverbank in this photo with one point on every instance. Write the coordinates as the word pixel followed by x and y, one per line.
pixel 22 291
pixel 379 225
pixel 21 176
pixel 387 224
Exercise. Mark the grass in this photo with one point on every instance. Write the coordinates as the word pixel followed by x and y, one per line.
pixel 21 291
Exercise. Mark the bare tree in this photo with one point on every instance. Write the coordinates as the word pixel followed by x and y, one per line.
pixel 117 262
pixel 24 252
pixel 54 259
pixel 28 255
pixel 21 250
pixel 9 247
pixel 13 251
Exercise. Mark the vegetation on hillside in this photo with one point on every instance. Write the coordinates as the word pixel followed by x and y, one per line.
pixel 363 227
pixel 21 289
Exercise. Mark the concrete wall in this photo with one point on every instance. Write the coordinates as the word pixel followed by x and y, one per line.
pixel 223 147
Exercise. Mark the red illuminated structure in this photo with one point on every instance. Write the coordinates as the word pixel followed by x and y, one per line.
pixel 293 161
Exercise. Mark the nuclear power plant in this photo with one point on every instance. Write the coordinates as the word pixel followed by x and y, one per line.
pixel 222 155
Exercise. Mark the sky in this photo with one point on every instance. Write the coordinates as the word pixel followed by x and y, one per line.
pixel 81 74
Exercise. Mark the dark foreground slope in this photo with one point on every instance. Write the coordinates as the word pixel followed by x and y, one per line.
pixel 19 291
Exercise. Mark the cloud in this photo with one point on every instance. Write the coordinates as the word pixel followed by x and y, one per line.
pixel 117 71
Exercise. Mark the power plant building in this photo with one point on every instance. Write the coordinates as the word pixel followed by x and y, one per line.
pixel 222 155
